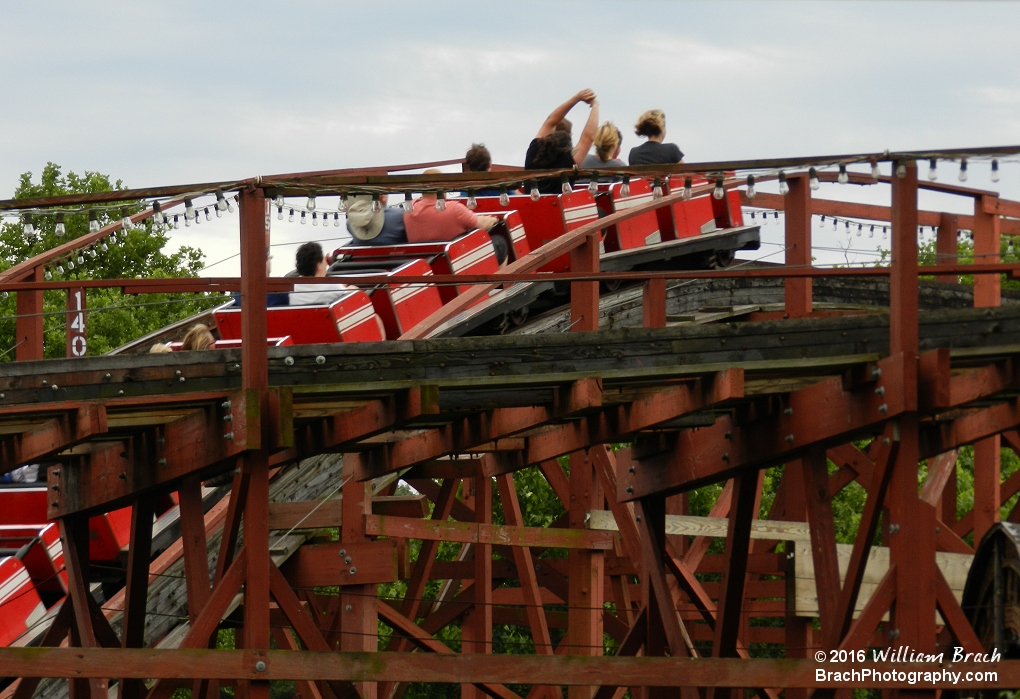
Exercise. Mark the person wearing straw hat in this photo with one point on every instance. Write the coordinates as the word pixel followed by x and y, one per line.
pixel 368 227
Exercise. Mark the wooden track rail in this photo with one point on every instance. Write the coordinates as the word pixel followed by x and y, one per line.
pixel 617 427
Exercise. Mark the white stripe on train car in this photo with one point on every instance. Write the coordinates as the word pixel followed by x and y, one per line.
pixel 580 212
pixel 517 233
pixel 472 257
pixel 355 318
pixel 54 549
pixel 402 292
pixel 654 238
pixel 631 201
pixel 13 584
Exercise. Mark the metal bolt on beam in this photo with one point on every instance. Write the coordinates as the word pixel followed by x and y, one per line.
pixel 353 570
pixel 225 405
pixel 789 439
pixel 349 608
pixel 883 408
pixel 631 470
pixel 108 376
pixel 320 359
pixel 347 560
pixel 343 552
pixel 260 666
pixel 54 387
pixel 229 417
pixel 894 529
pixel 289 361
pixel 880 391
pixel 788 412
pixel 876 373
pixel 229 436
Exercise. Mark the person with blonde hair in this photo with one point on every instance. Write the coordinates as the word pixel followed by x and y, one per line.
pixel 198 338
pixel 607 148
pixel 652 125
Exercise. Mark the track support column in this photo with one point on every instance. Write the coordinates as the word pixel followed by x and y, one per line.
pixel 798 245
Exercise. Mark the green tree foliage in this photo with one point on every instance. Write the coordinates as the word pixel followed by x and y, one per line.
pixel 114 318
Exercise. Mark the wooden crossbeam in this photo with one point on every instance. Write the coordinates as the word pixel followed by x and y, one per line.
pixel 821 414
pixel 51 436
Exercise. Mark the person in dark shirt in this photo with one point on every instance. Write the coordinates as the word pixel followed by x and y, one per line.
pixel 368 227
pixel 552 146
pixel 652 125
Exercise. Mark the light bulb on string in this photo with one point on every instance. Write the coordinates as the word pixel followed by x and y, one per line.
pixel 189 210
pixel 315 218
pixel 860 229
pixel 688 188
pixel 625 187
pixel 535 194
pixel 198 219
pixel 835 223
pixel 933 173
pixel 504 196
pixel 125 220
pixel 593 187
pixel 310 204
pixel 279 213
pixel 813 179
pixel 963 169
pixel 344 203
pixel 60 268
pixel 846 224
pixel 901 169
pixel 336 220
pixel 885 232
pixel 177 223
pixel 440 201
pixel 843 177
pixel 70 263
pixel 657 189
pixel 304 220
pixel 60 229
pixel 408 202
pixel 221 203
pixel 784 186
pixel 230 204
pixel 81 259
pixel 208 215
pixel 750 187
pixel 103 246
pixel 875 172
pixel 1009 245
pixel 995 171
pixel 157 213
pixel 278 201
pixel 718 192
pixel 565 185
pixel 93 222
pixel 871 233
pixel 47 275
pixel 472 203
pixel 28 228
pixel 376 204
pixel 290 217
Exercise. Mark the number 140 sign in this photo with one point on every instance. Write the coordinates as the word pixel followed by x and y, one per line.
pixel 76 342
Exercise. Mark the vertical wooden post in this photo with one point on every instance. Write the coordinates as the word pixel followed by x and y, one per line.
pixel 987 293
pixel 136 587
pixel 28 332
pixel 358 612
pixel 255 377
pixel 587 571
pixel 798 245
pixel 910 525
pixel 477 626
pixel 946 245
pixel 584 296
pixel 653 304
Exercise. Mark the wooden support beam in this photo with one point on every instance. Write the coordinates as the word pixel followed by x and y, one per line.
pixel 28 328
pixel 619 422
pixel 52 436
pixel 408 667
pixel 476 628
pixel 823 536
pixel 495 534
pixel 137 585
pixel 822 414
pixel 798 245
pixel 738 541
pixel 586 568
pixel 102 476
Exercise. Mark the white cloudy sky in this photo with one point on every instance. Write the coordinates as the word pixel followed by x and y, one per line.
pixel 184 91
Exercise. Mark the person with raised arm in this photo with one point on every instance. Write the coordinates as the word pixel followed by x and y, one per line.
pixel 552 147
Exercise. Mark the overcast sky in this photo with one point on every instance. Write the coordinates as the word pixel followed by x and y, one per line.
pixel 175 92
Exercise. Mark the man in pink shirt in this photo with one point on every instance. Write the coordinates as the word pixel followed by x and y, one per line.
pixel 425 223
